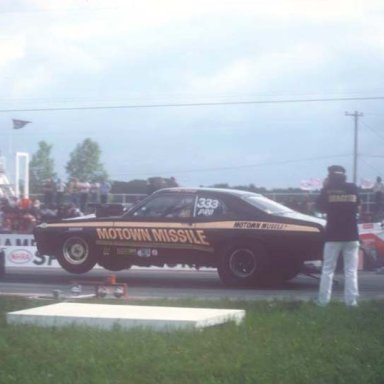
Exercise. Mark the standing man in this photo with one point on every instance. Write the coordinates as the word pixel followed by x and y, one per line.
pixel 60 189
pixel 73 190
pixel 104 189
pixel 340 201
pixel 378 193
pixel 84 188
pixel 49 192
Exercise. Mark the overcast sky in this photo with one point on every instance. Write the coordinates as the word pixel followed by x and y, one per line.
pixel 200 90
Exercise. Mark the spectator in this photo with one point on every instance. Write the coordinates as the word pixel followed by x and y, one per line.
pixel 60 190
pixel 94 192
pixel 49 192
pixel 104 190
pixel 84 188
pixel 340 201
pixel 73 191
pixel 24 203
pixel 378 193
pixel 36 209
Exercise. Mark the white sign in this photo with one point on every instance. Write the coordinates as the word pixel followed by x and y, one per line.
pixel 21 251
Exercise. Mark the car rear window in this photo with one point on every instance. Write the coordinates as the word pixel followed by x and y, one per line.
pixel 267 205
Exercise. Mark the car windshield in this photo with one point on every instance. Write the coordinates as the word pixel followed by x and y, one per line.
pixel 267 205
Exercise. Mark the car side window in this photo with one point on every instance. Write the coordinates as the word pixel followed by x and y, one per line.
pixel 167 206
pixel 183 207
pixel 210 207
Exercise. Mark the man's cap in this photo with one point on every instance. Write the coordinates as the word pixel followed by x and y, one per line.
pixel 336 169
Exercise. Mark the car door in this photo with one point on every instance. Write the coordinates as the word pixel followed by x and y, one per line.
pixel 162 227
pixel 214 215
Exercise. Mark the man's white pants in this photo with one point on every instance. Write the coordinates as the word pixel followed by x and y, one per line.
pixel 350 252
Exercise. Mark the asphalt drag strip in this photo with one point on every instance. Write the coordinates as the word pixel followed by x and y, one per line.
pixel 145 284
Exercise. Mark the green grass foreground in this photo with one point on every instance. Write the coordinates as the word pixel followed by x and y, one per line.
pixel 279 342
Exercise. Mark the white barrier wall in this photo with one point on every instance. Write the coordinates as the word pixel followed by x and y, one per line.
pixel 21 251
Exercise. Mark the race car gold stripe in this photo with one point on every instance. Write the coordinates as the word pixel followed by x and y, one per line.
pixel 243 225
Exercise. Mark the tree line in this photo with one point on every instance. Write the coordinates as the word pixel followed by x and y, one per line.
pixel 85 164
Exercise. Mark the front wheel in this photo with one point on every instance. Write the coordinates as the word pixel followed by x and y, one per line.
pixel 243 264
pixel 76 255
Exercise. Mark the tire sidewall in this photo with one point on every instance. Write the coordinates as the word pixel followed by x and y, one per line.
pixel 253 253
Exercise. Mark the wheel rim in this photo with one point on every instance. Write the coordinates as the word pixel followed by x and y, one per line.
pixel 242 263
pixel 75 250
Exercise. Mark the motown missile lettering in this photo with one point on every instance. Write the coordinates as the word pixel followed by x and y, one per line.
pixel 186 236
pixel 267 226
pixel 259 225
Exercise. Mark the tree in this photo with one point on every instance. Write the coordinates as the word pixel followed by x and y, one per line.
pixel 41 167
pixel 84 163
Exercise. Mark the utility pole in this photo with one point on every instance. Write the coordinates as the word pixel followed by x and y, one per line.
pixel 355 116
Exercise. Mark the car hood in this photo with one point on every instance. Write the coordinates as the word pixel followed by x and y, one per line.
pixel 85 217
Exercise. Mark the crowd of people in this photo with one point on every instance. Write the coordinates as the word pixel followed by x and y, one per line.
pixel 60 200
pixel 77 193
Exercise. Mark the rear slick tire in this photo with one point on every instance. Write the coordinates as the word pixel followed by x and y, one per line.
pixel 243 265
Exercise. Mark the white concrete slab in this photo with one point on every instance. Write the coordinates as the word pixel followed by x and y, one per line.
pixel 125 316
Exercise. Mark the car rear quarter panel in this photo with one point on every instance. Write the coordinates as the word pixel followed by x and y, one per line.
pixel 302 240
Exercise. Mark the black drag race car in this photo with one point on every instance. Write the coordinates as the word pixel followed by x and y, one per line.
pixel 249 238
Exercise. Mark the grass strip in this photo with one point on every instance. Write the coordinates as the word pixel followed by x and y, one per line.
pixel 278 342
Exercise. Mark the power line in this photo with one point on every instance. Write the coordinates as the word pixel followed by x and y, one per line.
pixel 370 165
pixel 379 135
pixel 204 104
pixel 375 156
pixel 175 172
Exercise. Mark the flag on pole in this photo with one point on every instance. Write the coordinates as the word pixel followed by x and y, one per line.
pixel 17 124
pixel 366 184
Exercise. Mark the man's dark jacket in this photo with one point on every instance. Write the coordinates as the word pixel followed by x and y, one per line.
pixel 340 202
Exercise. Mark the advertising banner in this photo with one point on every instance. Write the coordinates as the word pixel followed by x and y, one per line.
pixel 21 251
